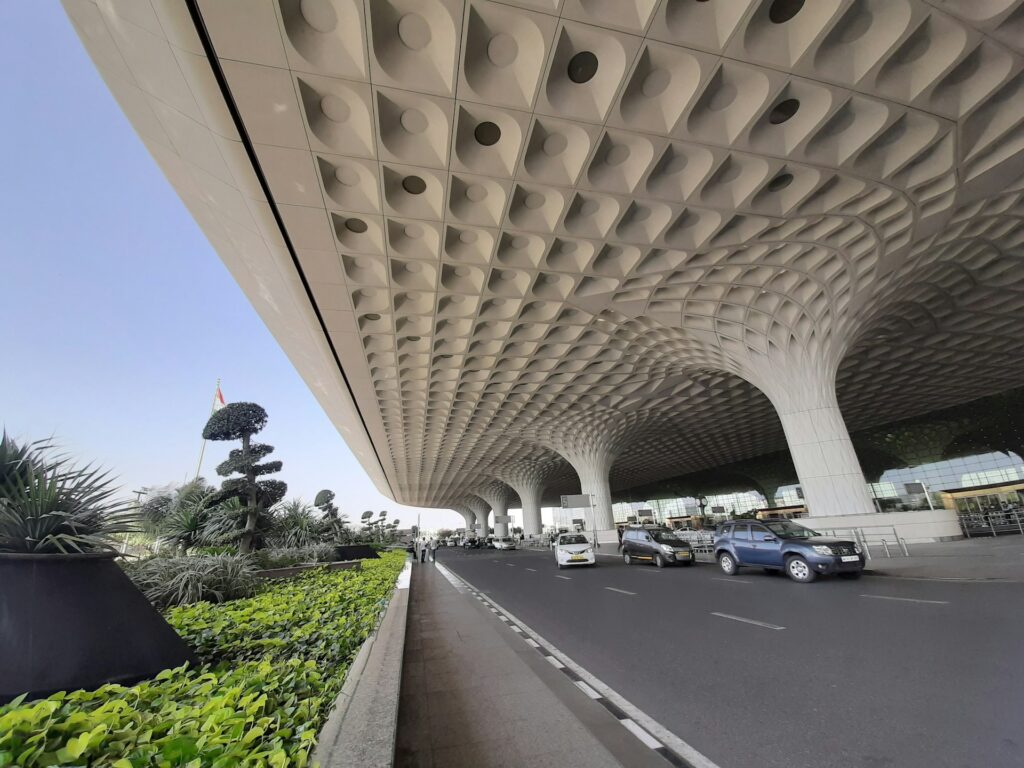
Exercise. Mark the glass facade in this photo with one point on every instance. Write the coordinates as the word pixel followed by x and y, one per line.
pixel 910 465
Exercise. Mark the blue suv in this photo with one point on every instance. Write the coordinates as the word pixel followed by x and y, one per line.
pixel 786 546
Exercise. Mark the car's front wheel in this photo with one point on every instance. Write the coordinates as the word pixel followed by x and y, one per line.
pixel 626 558
pixel 798 570
pixel 728 564
pixel 659 560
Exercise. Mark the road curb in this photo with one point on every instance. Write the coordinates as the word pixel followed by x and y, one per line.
pixel 362 725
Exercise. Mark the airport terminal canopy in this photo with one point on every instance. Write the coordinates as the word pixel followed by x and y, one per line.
pixel 517 248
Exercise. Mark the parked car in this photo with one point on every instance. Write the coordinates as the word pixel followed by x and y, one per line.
pixel 471 544
pixel 504 542
pixel 574 549
pixel 654 544
pixel 489 542
pixel 787 546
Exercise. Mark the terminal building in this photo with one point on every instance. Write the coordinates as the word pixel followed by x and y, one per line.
pixel 760 252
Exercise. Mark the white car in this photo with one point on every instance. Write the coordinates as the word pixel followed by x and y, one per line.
pixel 574 549
pixel 504 542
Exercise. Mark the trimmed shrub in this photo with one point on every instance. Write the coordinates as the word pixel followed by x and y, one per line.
pixel 273 665
pixel 169 581
pixel 285 557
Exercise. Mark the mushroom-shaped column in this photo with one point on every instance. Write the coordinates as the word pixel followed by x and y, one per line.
pixel 591 445
pixel 528 479
pixel 499 496
pixel 480 510
pixel 804 395
pixel 468 517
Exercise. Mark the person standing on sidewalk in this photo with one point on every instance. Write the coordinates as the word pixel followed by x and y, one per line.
pixel 433 550
pixel 423 550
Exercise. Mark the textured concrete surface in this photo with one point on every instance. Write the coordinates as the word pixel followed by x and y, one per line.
pixel 475 695
pixel 361 729
pixel 880 672
pixel 999 558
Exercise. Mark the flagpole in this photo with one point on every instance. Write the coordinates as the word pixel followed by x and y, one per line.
pixel 202 448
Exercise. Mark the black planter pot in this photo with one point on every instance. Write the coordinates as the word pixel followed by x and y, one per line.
pixel 77 621
pixel 356 552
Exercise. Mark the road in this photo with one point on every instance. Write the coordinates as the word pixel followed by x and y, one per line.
pixel 756 671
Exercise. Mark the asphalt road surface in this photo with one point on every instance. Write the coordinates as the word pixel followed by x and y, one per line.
pixel 757 671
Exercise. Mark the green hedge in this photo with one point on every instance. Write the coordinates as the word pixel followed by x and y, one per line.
pixel 272 666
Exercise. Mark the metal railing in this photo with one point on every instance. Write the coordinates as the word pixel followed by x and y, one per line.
pixel 886 539
pixel 991 523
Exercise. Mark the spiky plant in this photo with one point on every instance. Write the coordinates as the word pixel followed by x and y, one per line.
pixel 50 506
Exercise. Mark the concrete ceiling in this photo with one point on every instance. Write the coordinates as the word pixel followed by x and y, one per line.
pixel 491 233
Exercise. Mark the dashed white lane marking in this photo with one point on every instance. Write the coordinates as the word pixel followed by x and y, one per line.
pixel 746 621
pixel 731 581
pixel 511 565
pixel 620 591
pixel 641 734
pixel 587 690
pixel 663 741
pixel 532 569
pixel 567 578
pixel 907 599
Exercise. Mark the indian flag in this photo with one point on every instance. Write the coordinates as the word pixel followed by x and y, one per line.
pixel 218 400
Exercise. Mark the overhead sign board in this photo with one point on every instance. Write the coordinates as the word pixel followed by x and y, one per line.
pixel 576 501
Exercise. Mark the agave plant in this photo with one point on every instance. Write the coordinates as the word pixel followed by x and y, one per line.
pixel 50 506
pixel 181 517
pixel 169 581
pixel 295 525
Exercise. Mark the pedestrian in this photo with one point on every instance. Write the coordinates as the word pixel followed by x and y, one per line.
pixel 433 550
pixel 423 550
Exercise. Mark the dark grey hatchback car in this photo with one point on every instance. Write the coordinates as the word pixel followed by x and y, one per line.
pixel 786 546
pixel 654 544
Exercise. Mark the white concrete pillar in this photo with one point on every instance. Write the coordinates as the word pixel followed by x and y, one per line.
pixel 826 463
pixel 481 510
pixel 593 473
pixel 529 497
pixel 528 478
pixel 498 496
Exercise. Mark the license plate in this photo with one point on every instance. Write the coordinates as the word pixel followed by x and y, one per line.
pixel 683 553
pixel 577 557
pixel 849 558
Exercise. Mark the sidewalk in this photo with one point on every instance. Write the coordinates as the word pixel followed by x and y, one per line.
pixel 475 694
pixel 980 559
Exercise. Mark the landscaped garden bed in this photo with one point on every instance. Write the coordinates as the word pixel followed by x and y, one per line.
pixel 271 668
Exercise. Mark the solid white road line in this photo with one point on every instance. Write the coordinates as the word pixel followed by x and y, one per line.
pixel 746 621
pixel 907 599
pixel 641 734
pixel 567 578
pixel 731 581
pixel 587 690
pixel 620 591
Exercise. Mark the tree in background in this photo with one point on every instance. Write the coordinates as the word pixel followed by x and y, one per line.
pixel 240 421
pixel 334 521
pixel 445 533
pixel 180 517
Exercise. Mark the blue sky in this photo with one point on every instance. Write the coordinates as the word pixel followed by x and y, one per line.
pixel 120 315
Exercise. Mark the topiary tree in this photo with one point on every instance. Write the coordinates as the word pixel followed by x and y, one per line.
pixel 240 421
pixel 336 523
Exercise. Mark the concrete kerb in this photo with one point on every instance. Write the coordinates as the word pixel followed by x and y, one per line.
pixel 362 725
